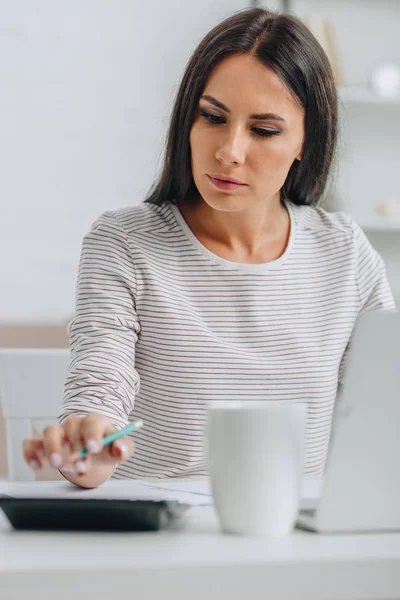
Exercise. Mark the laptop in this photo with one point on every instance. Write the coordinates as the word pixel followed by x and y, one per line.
pixel 361 487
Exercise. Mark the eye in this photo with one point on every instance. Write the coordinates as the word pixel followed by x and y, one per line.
pixel 215 120
pixel 212 119
pixel 265 132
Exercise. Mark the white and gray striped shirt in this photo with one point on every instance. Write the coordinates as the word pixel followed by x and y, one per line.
pixel 163 326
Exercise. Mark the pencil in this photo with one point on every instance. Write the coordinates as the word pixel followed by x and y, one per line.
pixel 109 439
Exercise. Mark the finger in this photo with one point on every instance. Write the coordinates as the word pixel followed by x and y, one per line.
pixel 92 431
pixel 122 449
pixel 114 453
pixel 72 427
pixel 32 449
pixel 54 438
pixel 117 452
pixel 78 466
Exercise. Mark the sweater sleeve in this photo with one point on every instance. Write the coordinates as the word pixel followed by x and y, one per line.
pixel 373 285
pixel 102 335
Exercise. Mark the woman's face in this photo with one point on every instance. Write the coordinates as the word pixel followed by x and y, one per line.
pixel 227 141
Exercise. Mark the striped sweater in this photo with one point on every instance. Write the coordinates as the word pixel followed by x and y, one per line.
pixel 163 327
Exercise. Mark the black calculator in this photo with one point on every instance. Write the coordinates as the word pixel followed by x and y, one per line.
pixel 79 514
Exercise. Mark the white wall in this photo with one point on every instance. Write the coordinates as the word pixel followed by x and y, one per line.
pixel 367 33
pixel 86 88
pixel 85 91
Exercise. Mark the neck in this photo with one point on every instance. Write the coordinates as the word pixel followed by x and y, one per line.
pixel 245 232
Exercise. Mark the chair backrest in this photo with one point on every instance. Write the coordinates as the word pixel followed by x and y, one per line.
pixel 31 389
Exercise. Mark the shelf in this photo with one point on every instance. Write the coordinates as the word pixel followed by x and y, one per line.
pixel 365 95
pixel 378 223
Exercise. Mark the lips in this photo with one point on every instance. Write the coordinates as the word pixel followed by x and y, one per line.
pixel 225 185
pixel 226 179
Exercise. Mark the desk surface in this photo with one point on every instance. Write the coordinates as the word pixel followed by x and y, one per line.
pixel 196 561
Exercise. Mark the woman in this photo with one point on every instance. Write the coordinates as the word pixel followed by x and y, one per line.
pixel 211 290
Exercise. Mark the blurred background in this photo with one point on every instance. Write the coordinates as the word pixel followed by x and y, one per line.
pixel 86 92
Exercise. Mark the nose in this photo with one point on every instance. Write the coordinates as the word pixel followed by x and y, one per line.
pixel 232 149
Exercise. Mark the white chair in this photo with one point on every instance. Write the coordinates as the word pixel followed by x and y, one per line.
pixel 31 390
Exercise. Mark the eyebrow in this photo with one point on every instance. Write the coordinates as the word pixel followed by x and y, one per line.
pixel 261 117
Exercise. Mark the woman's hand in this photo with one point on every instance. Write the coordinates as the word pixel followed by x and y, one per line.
pixel 59 445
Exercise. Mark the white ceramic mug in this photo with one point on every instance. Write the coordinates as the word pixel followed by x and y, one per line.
pixel 255 455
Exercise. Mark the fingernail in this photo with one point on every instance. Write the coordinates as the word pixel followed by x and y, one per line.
pixel 81 466
pixel 124 449
pixel 55 460
pixel 34 464
pixel 93 446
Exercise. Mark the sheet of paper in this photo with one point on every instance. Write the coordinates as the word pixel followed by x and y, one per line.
pixel 311 486
pixel 311 489
pixel 200 487
pixel 194 492
pixel 133 490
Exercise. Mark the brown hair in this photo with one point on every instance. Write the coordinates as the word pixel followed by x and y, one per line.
pixel 283 43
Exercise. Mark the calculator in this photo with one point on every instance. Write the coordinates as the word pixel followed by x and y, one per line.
pixel 79 514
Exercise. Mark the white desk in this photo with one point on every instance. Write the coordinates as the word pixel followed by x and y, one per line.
pixel 196 562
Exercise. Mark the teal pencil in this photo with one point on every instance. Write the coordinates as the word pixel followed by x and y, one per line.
pixel 109 439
